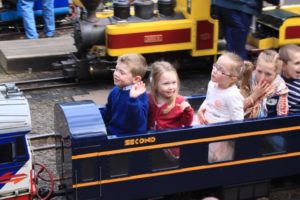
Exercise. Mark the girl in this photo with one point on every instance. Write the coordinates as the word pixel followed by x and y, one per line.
pixel 251 95
pixel 267 71
pixel 166 108
pixel 223 102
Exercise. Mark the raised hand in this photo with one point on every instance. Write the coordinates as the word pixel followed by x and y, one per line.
pixel 261 90
pixel 184 105
pixel 137 89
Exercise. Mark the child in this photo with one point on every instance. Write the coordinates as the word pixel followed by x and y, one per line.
pixel 290 54
pixel 166 108
pixel 252 95
pixel 223 102
pixel 267 71
pixel 126 110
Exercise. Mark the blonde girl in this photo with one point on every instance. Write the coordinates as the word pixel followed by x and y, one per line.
pixel 252 95
pixel 224 101
pixel 167 109
pixel 267 71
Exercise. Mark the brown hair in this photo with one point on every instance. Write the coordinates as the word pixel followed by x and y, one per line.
pixel 246 76
pixel 158 68
pixel 284 51
pixel 271 57
pixel 135 62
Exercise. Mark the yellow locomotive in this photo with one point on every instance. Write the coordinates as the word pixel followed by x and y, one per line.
pixel 167 28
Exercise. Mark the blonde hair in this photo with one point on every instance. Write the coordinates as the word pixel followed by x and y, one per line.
pixel 271 57
pixel 238 63
pixel 135 62
pixel 158 69
pixel 284 51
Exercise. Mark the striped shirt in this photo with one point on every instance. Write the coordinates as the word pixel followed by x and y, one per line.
pixel 293 95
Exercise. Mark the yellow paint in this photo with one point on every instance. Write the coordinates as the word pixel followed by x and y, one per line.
pixel 186 142
pixel 271 42
pixel 188 169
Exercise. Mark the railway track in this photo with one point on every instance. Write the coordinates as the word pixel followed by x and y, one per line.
pixel 48 83
pixel 16 31
pixel 42 142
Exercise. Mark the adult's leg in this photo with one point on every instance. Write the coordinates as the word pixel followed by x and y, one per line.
pixel 237 26
pixel 28 19
pixel 49 18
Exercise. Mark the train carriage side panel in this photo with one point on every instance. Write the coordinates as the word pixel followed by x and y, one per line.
pixel 259 162
pixel 149 37
pixel 82 132
pixel 133 166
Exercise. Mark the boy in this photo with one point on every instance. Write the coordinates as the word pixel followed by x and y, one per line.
pixel 126 110
pixel 290 54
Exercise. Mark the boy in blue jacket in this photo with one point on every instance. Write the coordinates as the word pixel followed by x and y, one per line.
pixel 126 110
pixel 235 20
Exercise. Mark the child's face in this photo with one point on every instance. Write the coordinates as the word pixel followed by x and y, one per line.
pixel 265 72
pixel 167 85
pixel 221 72
pixel 122 75
pixel 291 69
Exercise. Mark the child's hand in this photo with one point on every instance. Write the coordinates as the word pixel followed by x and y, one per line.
pixel 201 117
pixel 184 105
pixel 137 89
pixel 261 89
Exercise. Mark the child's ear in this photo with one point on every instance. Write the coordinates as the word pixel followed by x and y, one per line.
pixel 137 79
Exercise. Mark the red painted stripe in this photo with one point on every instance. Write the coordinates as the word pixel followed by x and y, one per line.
pixel 148 38
pixel 292 32
pixel 205 35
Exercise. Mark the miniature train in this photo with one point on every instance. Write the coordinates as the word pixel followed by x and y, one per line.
pixel 16 175
pixel 173 30
pixel 94 165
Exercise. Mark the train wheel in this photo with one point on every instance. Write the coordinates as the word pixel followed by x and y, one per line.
pixel 42 177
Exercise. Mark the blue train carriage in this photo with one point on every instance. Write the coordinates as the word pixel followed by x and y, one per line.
pixel 11 10
pixel 15 156
pixel 95 165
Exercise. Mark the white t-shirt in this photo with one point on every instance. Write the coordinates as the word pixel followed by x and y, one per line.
pixel 223 104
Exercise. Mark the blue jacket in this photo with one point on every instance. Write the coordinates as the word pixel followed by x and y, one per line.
pixel 252 7
pixel 123 114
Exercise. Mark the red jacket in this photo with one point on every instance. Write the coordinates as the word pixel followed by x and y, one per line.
pixel 176 118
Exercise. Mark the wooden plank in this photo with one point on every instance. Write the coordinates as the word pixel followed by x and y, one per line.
pixel 20 55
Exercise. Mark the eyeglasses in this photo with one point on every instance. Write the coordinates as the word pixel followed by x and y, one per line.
pixel 221 70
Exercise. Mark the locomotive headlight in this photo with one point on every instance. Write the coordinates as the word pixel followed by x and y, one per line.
pixel 92 70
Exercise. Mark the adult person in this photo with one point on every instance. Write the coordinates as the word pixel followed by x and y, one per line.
pixel 235 18
pixel 29 20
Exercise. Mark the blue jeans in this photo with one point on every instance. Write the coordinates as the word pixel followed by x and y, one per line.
pixel 235 26
pixel 29 20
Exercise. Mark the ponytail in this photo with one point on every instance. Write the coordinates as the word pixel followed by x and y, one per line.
pixel 245 78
